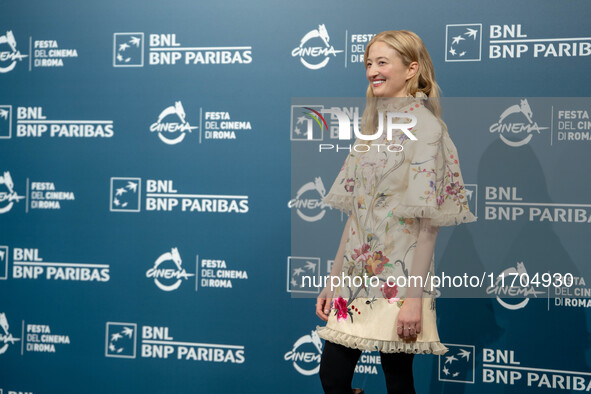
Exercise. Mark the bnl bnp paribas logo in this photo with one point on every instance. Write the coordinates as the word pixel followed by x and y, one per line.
pixel 157 342
pixel 303 274
pixel 307 123
pixel 463 42
pixel 10 56
pixel 165 50
pixel 162 195
pixel 315 49
pixel 5 121
pixel 457 365
pixel 128 50
pixel 121 340
pixel 3 262
pixel 125 194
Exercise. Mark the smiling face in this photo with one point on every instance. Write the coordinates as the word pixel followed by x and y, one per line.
pixel 385 71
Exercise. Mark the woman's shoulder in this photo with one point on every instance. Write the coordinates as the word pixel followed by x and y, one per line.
pixel 429 126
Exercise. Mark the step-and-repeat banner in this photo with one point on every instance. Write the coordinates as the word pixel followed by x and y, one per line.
pixel 154 173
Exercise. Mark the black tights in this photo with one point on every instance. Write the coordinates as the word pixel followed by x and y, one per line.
pixel 338 362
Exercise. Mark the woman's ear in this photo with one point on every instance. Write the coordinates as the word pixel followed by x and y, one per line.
pixel 413 68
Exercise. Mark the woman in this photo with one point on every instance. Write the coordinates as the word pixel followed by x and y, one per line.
pixel 396 201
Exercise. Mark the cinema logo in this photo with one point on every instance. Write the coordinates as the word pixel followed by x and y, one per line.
pixel 305 354
pixel 503 203
pixel 221 126
pixel 28 264
pixel 307 350
pixel 41 338
pixel 10 56
pixel 573 125
pixel 165 50
pixel 33 123
pixel 517 121
pixel 508 285
pixel 172 126
pixel 167 272
pixel 315 50
pixel 44 195
pixel 161 195
pixel 308 201
pixel 44 53
pixel 574 294
pixel 38 195
pixel 215 273
pixel 6 338
pixel 464 43
pixel 157 343
pixel 8 194
pixel 37 338
pixel 357 48
pixel 48 53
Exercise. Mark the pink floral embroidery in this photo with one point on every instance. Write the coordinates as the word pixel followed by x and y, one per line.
pixel 440 200
pixel 453 188
pixel 341 307
pixel 362 253
pixel 389 290
pixel 350 185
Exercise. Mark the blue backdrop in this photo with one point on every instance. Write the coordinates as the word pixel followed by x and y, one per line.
pixel 148 192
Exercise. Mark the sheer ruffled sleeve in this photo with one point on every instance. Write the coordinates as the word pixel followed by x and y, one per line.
pixel 435 185
pixel 340 195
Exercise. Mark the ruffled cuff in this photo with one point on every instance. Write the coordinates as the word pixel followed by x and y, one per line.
pixel 354 342
pixel 437 216
pixel 341 202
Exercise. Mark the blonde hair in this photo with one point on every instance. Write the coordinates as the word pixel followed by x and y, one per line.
pixel 410 47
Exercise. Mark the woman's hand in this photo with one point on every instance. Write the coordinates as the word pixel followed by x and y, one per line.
pixel 323 304
pixel 409 318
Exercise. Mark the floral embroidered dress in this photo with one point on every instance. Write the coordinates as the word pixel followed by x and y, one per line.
pixel 385 192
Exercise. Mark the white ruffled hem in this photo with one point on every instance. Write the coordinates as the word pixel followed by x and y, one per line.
pixel 342 203
pixel 354 342
pixel 438 218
